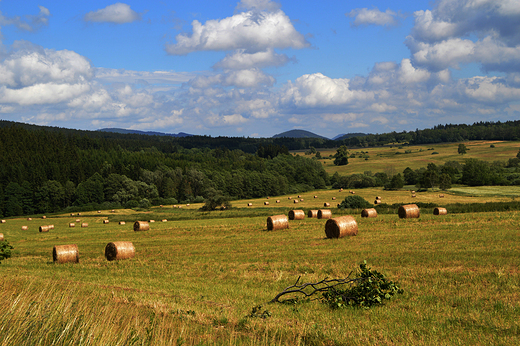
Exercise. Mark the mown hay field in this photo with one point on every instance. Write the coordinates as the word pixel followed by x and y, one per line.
pixel 385 158
pixel 195 280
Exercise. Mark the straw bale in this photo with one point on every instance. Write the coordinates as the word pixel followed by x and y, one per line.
pixel 312 213
pixel 79 214
pixel 99 211
pixel 326 204
pixel 113 211
pixel 315 196
pixel 25 228
pixel 3 221
pixel 266 203
pixel 249 204
pixel 296 215
pixel 151 221
pixel 324 214
pixel 44 217
pixel 301 200
pixel 277 222
pixel 1 236
pixel 78 220
pixel 409 211
pixel 51 226
pixel 333 198
pixel 122 222
pixel 378 197
pixel 440 211
pixel 106 221
pixel 413 192
pixel 267 197
pixel 84 225
pixel 341 226
pixel 441 196
pixel 119 250
pixel 341 190
pixel 413 196
pixel 377 201
pixel 295 201
pixel 299 196
pixel 370 212
pixel 277 201
pixel 44 228
pixel 141 226
pixel 72 224
pixel 288 197
pixel 65 254
pixel 164 220
pixel 29 219
pixel 353 192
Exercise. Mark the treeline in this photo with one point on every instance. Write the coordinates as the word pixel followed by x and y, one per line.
pixel 472 172
pixel 48 171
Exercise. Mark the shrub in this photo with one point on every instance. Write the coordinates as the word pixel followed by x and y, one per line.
pixel 5 250
pixel 355 202
pixel 435 153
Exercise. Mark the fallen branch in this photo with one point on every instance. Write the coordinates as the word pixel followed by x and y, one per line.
pixel 314 287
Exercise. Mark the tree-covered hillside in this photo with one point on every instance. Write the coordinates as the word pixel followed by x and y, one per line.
pixel 47 171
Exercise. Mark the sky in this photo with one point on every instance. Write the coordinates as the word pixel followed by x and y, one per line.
pixel 256 68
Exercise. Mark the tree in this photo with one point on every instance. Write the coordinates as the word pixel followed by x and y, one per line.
pixel 429 177
pixel 410 177
pixel 445 181
pixel 462 149
pixel 341 156
pixel 476 173
pixel 396 182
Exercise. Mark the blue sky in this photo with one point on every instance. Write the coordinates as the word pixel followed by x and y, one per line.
pixel 258 67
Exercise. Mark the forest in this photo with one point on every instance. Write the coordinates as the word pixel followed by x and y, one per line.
pixel 48 169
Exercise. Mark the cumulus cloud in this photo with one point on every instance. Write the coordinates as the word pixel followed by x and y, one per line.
pixel 249 78
pixel 365 16
pixel 251 31
pixel 117 13
pixel 240 59
pixel 459 32
pixel 261 5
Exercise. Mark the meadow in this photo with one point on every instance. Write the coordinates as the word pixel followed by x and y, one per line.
pixel 199 277
pixel 395 159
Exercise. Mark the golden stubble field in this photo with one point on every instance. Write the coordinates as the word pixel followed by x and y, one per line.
pixel 196 277
pixel 383 159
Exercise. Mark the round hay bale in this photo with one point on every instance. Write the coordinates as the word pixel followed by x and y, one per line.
pixel 441 196
pixel 141 226
pixel 44 217
pixel 377 201
pixel 79 214
pixel 315 196
pixel 65 254
pixel 25 228
pixel 72 214
pixel 288 197
pixel 413 192
pixel 29 219
pixel 296 215
pixel 249 204
pixel 378 197
pixel 312 213
pixel 299 196
pixel 266 203
pixel 84 225
pixel 160 206
pixel 341 190
pixel 409 211
pixel 340 227
pixel 51 226
pixel 324 214
pixel 277 201
pixel 333 198
pixel 267 197
pixel 3 221
pixel 122 222
pixel 413 196
pixel 44 229
pixel 1 236
pixel 119 250
pixel 106 221
pixel 99 211
pixel 295 201
pixel 164 220
pixel 326 204
pixel 440 211
pixel 113 211
pixel 277 222
pixel 301 200
pixel 353 192
pixel 78 220
pixel 151 221
pixel 371 212
pixel 72 224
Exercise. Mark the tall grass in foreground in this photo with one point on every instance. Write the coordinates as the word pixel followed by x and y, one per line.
pixel 196 282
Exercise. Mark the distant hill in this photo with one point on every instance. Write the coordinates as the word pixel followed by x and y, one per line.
pixel 348 135
pixel 298 134
pixel 149 133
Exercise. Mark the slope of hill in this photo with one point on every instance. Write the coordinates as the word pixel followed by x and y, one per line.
pixel 150 133
pixel 348 135
pixel 298 134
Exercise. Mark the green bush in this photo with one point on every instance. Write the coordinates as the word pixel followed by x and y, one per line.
pixel 5 250
pixel 354 202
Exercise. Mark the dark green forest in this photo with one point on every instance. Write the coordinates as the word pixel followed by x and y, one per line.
pixel 48 171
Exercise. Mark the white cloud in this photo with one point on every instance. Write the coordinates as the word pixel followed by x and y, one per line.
pixel 29 22
pixel 261 5
pixel 48 93
pixel 365 16
pixel 117 13
pixel 240 59
pixel 251 31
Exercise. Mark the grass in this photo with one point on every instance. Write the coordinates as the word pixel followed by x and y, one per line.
pixel 385 158
pixel 197 277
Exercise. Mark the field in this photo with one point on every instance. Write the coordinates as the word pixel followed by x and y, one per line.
pixel 385 158
pixel 196 278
